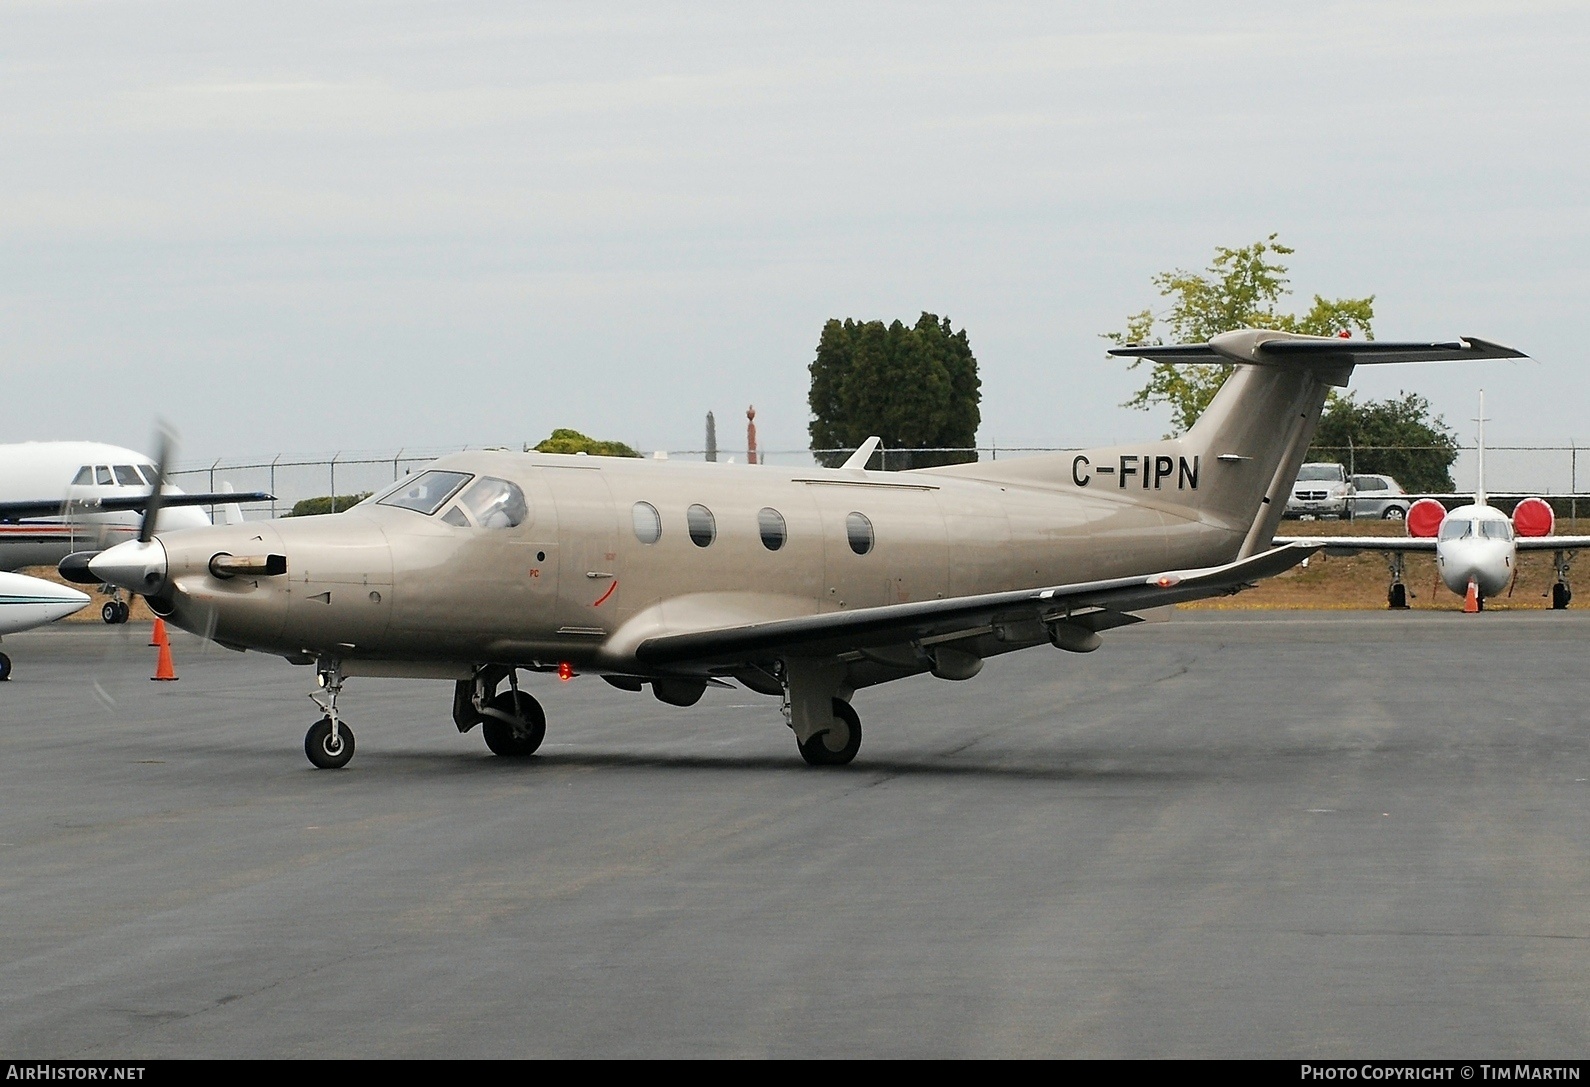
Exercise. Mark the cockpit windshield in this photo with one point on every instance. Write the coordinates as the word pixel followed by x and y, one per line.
pixel 1320 473
pixel 1496 530
pixel 1456 528
pixel 494 503
pixel 425 492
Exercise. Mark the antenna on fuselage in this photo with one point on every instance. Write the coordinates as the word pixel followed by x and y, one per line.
pixel 1479 457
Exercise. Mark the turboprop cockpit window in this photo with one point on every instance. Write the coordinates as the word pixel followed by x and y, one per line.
pixel 127 476
pixel 426 492
pixel 84 477
pixel 1456 528
pixel 103 477
pixel 495 503
pixel 1496 530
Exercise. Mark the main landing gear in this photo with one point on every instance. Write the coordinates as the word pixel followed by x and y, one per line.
pixel 512 723
pixel 329 742
pixel 817 709
pixel 1561 594
pixel 1397 594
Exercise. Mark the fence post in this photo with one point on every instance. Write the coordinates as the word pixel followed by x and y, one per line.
pixel 212 487
pixel 334 457
pixel 395 463
pixel 274 459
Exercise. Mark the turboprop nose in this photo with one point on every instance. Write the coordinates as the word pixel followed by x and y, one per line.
pixel 135 566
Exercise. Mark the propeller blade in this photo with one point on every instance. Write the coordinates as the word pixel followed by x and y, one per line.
pixel 167 439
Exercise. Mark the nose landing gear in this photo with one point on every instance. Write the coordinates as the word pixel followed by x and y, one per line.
pixel 329 742
pixel 1561 594
pixel 116 610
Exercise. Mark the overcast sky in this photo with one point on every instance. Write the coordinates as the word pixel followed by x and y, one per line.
pixel 309 227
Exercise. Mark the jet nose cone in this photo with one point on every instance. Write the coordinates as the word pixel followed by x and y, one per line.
pixel 29 602
pixel 134 566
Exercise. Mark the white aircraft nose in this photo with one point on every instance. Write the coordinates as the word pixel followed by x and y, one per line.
pixel 134 566
pixel 29 602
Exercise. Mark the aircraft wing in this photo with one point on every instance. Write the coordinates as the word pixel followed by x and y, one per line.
pixel 1552 543
pixel 17 511
pixel 1096 605
pixel 1352 545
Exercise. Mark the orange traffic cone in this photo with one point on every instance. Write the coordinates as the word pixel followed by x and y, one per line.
pixel 157 636
pixel 1471 599
pixel 163 667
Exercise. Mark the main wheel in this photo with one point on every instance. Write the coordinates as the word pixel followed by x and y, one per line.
pixel 1397 596
pixel 123 611
pixel 514 740
pixel 1560 595
pixel 322 751
pixel 820 749
pixel 5 667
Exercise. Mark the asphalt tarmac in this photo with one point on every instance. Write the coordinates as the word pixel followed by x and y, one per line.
pixel 1239 835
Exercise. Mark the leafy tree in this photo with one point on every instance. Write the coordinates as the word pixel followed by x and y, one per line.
pixel 564 440
pixel 1241 288
pixel 915 387
pixel 1394 437
pixel 311 507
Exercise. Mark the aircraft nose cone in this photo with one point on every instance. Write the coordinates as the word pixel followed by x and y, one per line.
pixel 134 566
pixel 29 602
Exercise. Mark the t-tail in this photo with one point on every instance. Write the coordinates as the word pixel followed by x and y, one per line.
pixel 1234 468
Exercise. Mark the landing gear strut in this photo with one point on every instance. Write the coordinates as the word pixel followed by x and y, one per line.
pixel 329 742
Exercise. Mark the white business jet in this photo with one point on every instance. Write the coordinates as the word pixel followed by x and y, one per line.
pixel 57 498
pixel 1476 545
pixel 27 602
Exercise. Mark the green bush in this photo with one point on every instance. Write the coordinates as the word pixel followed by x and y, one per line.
pixel 311 507
pixel 564 440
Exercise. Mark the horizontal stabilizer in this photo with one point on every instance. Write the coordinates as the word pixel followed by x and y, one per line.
pixel 1263 347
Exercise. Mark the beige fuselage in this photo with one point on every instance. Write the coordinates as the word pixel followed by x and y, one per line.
pixel 574 582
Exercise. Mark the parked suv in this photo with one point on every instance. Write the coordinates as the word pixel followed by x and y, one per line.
pixel 1321 490
pixel 1380 496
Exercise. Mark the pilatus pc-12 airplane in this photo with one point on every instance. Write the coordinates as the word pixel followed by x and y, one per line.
pixel 805 584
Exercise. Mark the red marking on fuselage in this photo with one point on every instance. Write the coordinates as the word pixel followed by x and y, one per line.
pixel 603 598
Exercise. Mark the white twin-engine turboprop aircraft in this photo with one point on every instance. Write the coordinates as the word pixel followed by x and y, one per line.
pixel 805 584
pixel 1476 545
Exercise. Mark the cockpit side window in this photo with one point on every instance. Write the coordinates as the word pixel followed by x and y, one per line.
pixel 150 474
pixel 495 503
pixel 425 492
pixel 127 476
pixel 103 477
pixel 84 477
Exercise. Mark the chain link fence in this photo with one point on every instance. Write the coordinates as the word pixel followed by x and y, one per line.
pixel 1540 469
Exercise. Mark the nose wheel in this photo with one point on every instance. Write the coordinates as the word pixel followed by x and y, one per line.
pixel 328 748
pixel 329 742
pixel 5 667
pixel 115 612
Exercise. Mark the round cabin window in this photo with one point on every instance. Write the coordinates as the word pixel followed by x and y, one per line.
pixel 771 522
pixel 703 526
pixel 859 531
pixel 648 522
